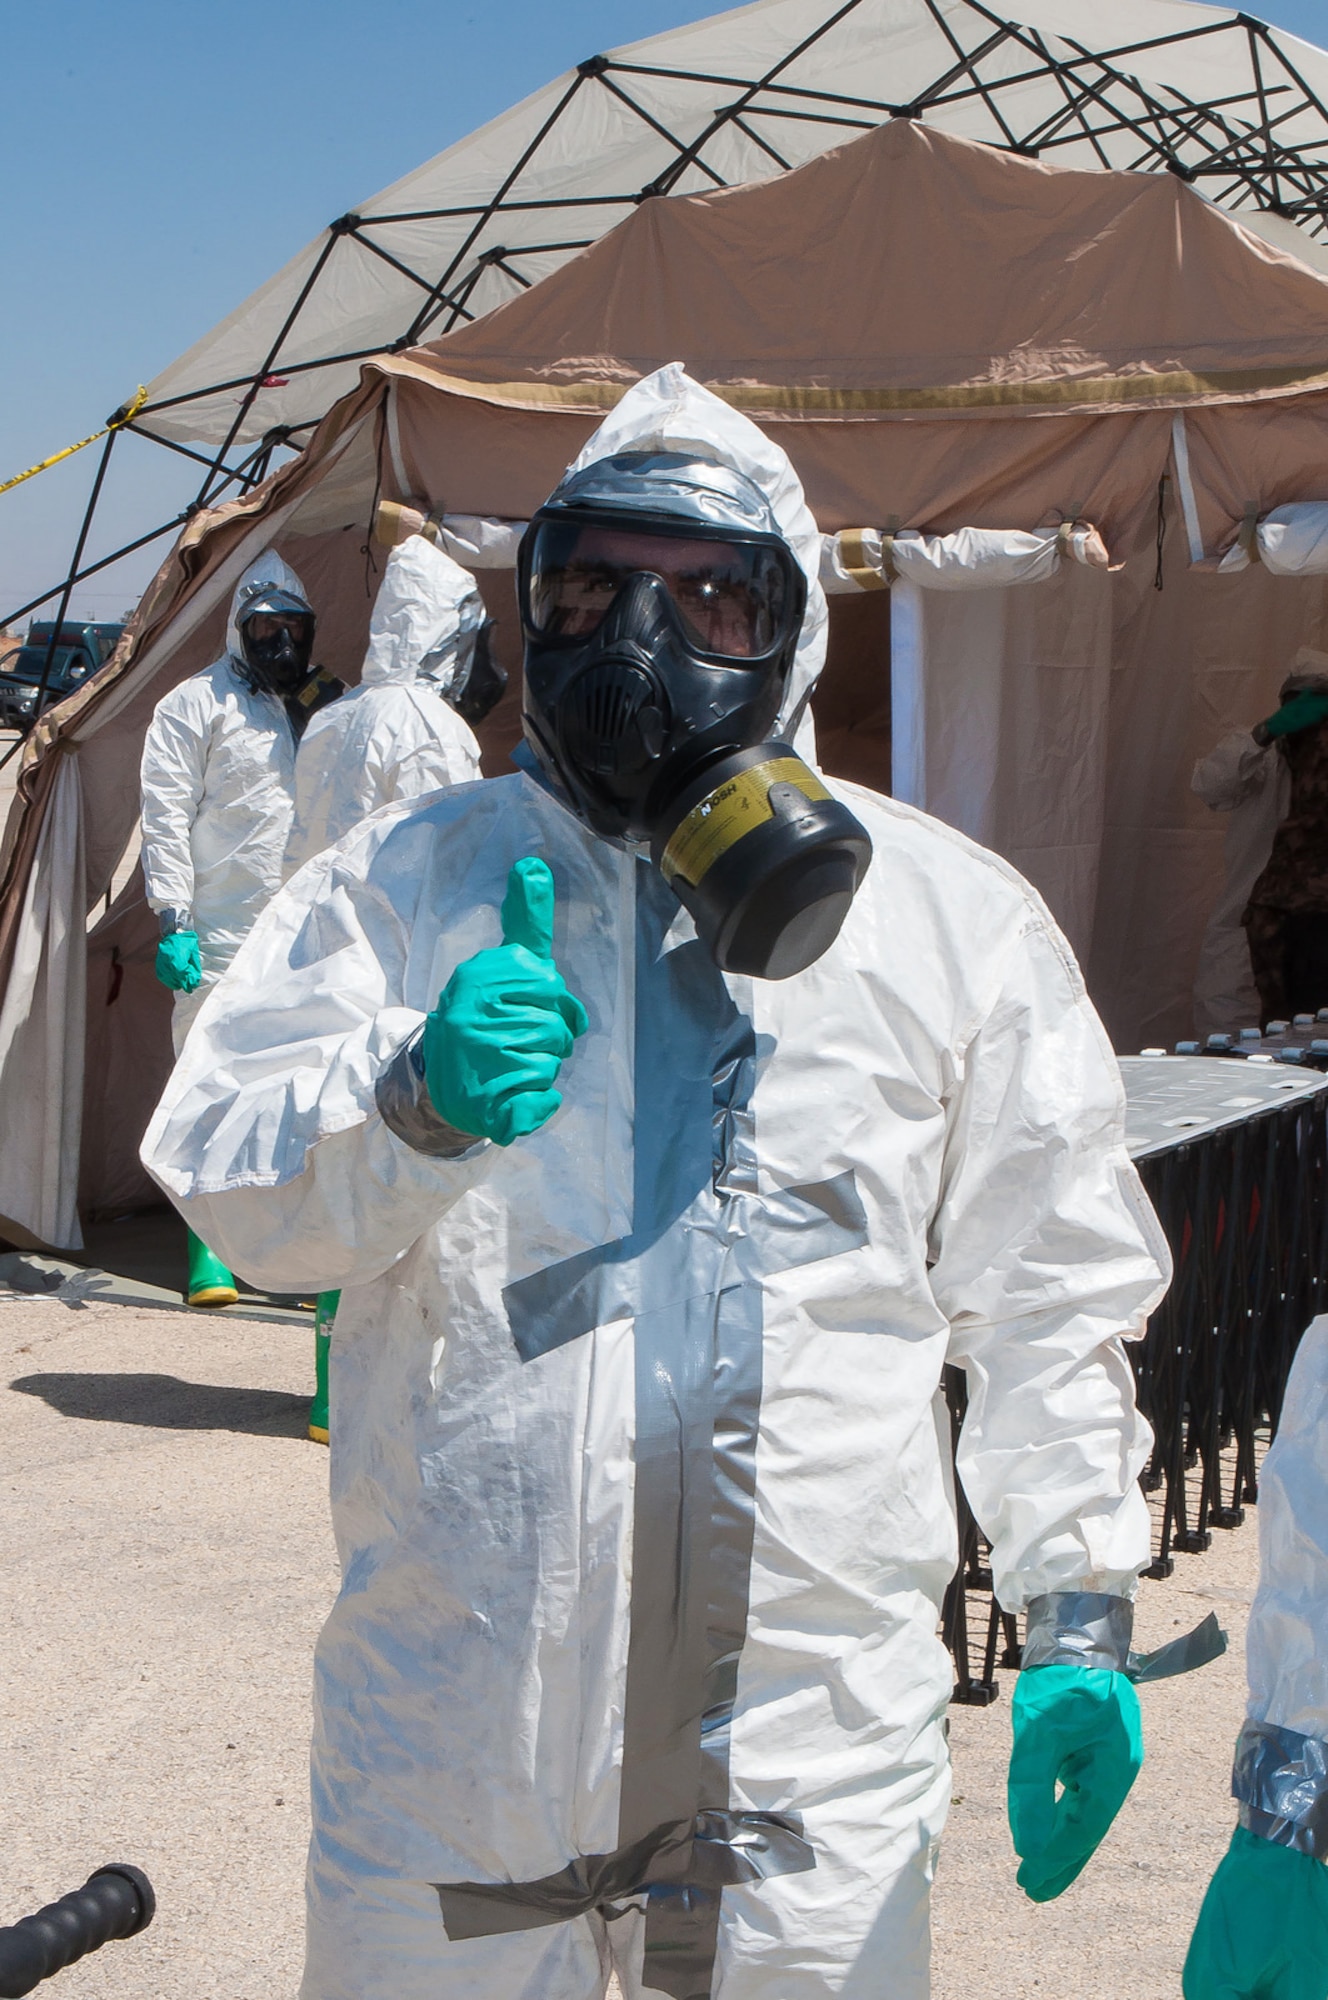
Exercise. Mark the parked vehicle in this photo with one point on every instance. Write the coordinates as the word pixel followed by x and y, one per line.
pixel 79 650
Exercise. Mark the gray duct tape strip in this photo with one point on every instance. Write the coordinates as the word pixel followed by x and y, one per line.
pixel 1180 1656
pixel 1081 1628
pixel 1281 1781
pixel 1085 1628
pixel 719 1848
pixel 690 1276
pixel 405 1107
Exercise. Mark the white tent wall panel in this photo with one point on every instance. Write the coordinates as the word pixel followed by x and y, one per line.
pixel 1203 656
pixel 1008 693
pixel 42 1033
pixel 1059 723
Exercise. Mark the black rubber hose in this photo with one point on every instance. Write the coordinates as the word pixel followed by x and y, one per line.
pixel 115 1902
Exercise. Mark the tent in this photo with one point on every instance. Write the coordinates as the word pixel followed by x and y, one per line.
pixel 1234 108
pixel 1019 398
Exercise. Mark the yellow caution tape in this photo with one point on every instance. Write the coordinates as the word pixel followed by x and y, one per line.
pixel 124 415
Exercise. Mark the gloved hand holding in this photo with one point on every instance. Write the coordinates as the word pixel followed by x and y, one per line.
pixel 505 1022
pixel 1262 1932
pixel 1077 1727
pixel 1300 711
pixel 178 963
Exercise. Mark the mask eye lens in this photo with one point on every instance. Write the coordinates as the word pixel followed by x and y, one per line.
pixel 731 597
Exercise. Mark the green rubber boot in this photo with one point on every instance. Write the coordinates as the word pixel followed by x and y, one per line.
pixel 324 1314
pixel 210 1283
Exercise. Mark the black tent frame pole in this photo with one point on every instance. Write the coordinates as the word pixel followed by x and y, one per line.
pixel 68 589
pixel 103 562
pixel 438 294
pixel 334 235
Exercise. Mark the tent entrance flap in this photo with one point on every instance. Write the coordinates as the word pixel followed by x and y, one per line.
pixel 1000 698
pixel 42 1035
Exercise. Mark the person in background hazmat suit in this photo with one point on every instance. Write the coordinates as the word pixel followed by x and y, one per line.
pixel 1247 777
pixel 671 1115
pixel 218 780
pixel 1286 919
pixel 1249 782
pixel 405 729
pixel 1262 1932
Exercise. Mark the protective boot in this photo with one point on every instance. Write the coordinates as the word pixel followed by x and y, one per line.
pixel 210 1283
pixel 325 1313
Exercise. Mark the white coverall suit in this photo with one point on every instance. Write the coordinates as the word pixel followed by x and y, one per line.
pixel 1286 1645
pixel 641 1475
pixel 218 777
pixel 1249 782
pixel 394 736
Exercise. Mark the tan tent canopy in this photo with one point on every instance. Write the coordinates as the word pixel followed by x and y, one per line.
pixel 945 338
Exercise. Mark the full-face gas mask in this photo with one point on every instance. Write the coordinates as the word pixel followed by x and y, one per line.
pixel 475 681
pixel 277 634
pixel 661 608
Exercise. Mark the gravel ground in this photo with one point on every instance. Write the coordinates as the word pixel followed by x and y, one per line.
pixel 169 1563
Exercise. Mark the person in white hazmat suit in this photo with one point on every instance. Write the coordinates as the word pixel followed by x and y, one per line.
pixel 1262 1933
pixel 218 783
pixel 1246 777
pixel 399 733
pixel 664 1169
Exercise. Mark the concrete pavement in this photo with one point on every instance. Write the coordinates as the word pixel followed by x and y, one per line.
pixel 169 1563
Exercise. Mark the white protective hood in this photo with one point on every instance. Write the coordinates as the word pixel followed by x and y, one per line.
pixel 426 604
pixel 668 411
pixel 218 785
pixel 264 570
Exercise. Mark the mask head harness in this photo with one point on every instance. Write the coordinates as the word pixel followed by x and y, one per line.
pixel 277 638
pixel 661 608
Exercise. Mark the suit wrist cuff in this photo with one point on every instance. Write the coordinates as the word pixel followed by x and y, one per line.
pixel 1280 1780
pixel 1079 1628
pixel 406 1108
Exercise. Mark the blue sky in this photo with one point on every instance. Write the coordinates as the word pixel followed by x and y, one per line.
pixel 160 160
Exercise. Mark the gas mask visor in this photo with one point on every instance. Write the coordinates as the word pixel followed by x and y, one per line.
pixel 733 600
pixel 658 648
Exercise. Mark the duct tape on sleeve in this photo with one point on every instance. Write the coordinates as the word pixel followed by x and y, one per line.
pixel 1280 1779
pixel 1085 1628
pixel 405 1108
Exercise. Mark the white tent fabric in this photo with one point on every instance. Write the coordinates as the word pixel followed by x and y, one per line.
pixel 993 689
pixel 42 1026
pixel 741 97
pixel 851 559
pixel 1289 541
pixel 968 559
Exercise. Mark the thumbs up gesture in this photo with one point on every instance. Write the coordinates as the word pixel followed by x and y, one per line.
pixel 505 1023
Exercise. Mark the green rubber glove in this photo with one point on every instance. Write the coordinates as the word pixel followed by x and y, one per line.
pixel 1262 1933
pixel 505 1023
pixel 1079 1728
pixel 177 961
pixel 1302 711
